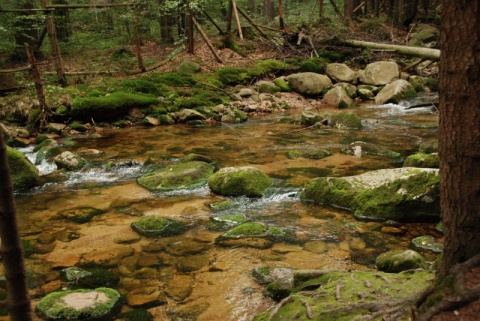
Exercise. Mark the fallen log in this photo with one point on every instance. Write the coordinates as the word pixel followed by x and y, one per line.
pixel 427 53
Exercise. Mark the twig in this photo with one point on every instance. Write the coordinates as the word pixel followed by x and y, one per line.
pixel 308 309
pixel 338 296
pixel 279 306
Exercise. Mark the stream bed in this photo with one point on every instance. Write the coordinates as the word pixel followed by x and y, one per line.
pixel 188 276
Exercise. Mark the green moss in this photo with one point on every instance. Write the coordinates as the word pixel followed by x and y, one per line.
pixel 249 182
pixel 109 107
pixel 247 230
pixel 232 76
pixel 317 65
pixel 386 202
pixel 46 152
pixel 346 120
pixel 292 154
pixel 53 307
pixel 262 67
pixel 222 205
pixel 156 226
pixel 282 84
pixel 187 175
pixel 335 191
pixel 422 160
pixel 23 173
pixel 432 84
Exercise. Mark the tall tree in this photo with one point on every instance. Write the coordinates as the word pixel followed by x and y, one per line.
pixel 459 144
pixel 18 300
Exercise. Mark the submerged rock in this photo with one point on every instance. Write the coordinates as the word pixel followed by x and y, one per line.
pixel 156 226
pixel 81 214
pixel 401 194
pixel 397 261
pixel 187 175
pixel 427 242
pixel 240 181
pixel 97 304
pixel 23 173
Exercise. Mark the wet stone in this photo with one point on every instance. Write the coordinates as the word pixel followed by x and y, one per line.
pixel 192 263
pixel 185 247
pixel 146 260
pixel 427 242
pixel 180 287
pixel 146 297
pixel 105 258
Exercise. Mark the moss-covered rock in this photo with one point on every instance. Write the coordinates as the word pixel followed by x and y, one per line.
pixel 310 154
pixel 23 173
pixel 422 160
pixel 364 148
pixel 81 214
pixel 157 226
pixel 89 278
pixel 136 315
pixel 109 107
pixel 282 84
pixel 402 194
pixel 97 304
pixel 427 242
pixel 395 92
pixel 345 120
pixel 398 260
pixel 241 181
pixel 70 161
pixel 350 295
pixel 309 118
pixel 189 175
pixel 226 221
pixel 254 234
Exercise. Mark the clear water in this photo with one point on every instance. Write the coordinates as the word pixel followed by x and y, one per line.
pixel 220 287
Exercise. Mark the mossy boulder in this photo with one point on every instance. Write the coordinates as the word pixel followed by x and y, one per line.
pixel 401 194
pixel 399 260
pixel 310 154
pixel 345 120
pixel 427 242
pixel 83 304
pixel 226 221
pixel 239 181
pixel 309 118
pixel 23 173
pixel 350 295
pixel 89 278
pixel 338 97
pixel 188 175
pixel 157 226
pixel 422 160
pixel 110 107
pixel 282 84
pixel 254 234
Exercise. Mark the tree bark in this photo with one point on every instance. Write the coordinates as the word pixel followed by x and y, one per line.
pixel 428 53
pixel 460 131
pixel 18 300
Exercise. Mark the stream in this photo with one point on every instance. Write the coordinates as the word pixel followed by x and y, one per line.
pixel 189 277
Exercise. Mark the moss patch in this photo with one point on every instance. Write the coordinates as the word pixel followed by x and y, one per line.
pixel 246 181
pixel 187 175
pixel 23 173
pixel 156 226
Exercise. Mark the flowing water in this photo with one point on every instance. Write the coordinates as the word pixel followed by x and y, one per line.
pixel 196 279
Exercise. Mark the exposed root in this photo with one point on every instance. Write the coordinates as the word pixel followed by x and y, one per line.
pixel 461 293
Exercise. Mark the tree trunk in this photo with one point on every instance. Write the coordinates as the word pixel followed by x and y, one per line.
pixel 62 21
pixel 18 300
pixel 269 10
pixel 428 53
pixel 460 131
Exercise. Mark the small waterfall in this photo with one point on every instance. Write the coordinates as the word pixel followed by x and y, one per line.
pixel 45 167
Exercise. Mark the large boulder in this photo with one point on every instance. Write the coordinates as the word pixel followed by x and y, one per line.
pixel 395 91
pixel 379 73
pixel 396 261
pixel 239 181
pixel 400 194
pixel 356 295
pixel 309 83
pixel 341 73
pixel 88 305
pixel 189 175
pixel 23 173
pixel 338 97
pixel 422 160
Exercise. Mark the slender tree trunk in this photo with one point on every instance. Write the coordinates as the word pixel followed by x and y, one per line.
pixel 460 131
pixel 280 14
pixel 269 10
pixel 18 300
pixel 62 21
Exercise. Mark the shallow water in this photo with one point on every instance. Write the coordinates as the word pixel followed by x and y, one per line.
pixel 215 283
